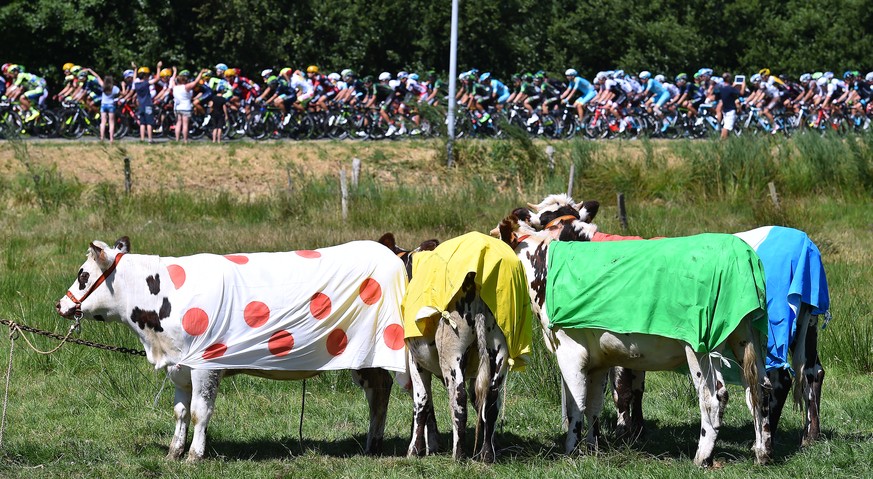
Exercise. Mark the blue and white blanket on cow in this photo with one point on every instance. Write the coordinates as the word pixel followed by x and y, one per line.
pixel 794 275
pixel 307 310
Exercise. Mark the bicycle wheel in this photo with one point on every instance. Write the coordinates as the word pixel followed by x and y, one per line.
pixel 47 125
pixel 337 124
pixel 71 125
pixel 301 127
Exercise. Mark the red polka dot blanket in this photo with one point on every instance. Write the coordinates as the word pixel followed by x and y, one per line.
pixel 307 310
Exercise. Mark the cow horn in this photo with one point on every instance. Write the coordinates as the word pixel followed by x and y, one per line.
pixel 533 207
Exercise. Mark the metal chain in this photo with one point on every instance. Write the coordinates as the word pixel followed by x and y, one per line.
pixel 20 327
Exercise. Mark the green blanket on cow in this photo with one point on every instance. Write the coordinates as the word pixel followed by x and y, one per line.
pixel 694 289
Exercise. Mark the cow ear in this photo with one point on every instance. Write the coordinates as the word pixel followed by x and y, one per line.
pixel 97 251
pixel 123 244
pixel 523 214
pixel 588 210
pixel 388 240
pixel 429 245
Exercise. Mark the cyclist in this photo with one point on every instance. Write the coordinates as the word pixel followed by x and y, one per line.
pixel 204 94
pixel 89 90
pixel 656 90
pixel 435 87
pixel 687 93
pixel 242 90
pixel 578 93
pixel 383 94
pixel 29 88
pixel 302 88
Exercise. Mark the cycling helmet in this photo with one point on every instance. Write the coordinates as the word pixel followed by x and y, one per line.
pixel 334 77
pixel 869 76
pixel 166 73
pixel 805 77
pixel 431 75
pixel 82 75
pixel 764 72
pixel 75 70
pixel 266 73
pixel 394 83
pixel 835 81
pixel 5 67
pixel 184 74
pixel 757 78
pixel 414 76
pixel 848 74
pixel 696 75
pixel 610 73
pixel 312 69
pixel 539 76
pixel 127 74
pixel 368 79
pixel 67 67
pixel 384 76
pixel 828 75
pixel 221 67
pixel 619 74
pixel 681 77
pixel 571 73
pixel 484 77
pixel 13 68
pixel 645 75
pixel 660 78
pixel 346 73
pixel 284 71
pixel 230 72
pixel 402 74
pixel 527 78
pixel 206 75
pixel 271 79
pixel 817 75
pixel 143 70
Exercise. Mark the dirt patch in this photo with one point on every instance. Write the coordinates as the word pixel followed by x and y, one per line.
pixel 245 168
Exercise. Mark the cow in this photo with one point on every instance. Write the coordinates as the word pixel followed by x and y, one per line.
pixel 197 317
pixel 795 258
pixel 459 333
pixel 586 355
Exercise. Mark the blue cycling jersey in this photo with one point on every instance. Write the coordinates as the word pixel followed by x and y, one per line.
pixel 655 87
pixel 581 85
pixel 499 88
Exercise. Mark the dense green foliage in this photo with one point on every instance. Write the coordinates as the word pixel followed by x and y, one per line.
pixel 502 36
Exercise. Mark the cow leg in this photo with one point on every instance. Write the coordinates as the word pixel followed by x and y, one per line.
pixel 204 389
pixel 746 344
pixel 570 361
pixel 596 383
pixel 493 366
pixel 453 339
pixel 376 383
pixel 781 381
pixel 628 386
pixel 181 378
pixel 712 396
pixel 814 375
pixel 424 432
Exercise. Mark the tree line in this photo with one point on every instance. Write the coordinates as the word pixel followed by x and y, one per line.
pixel 502 36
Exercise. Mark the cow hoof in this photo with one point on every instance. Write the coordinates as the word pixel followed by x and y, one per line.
pixel 193 458
pixel 487 456
pixel 175 454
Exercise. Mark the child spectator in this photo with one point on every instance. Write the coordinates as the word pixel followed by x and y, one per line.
pixel 107 106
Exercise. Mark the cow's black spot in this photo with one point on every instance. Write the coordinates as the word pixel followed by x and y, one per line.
pixel 699 374
pixel 702 432
pixel 154 283
pixel 83 279
pixel 165 309
pixel 98 317
pixel 146 318
pixel 152 319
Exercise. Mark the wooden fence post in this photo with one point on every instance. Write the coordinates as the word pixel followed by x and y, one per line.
pixel 550 152
pixel 344 187
pixel 570 183
pixel 356 171
pixel 773 195
pixel 622 212
pixel 127 180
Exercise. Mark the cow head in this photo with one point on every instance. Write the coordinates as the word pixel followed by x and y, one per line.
pixel 404 254
pixel 91 293
pixel 561 206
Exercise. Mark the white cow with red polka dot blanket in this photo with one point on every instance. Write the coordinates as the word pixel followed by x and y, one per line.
pixel 286 315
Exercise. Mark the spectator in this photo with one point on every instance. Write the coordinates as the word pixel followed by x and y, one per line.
pixel 183 90
pixel 107 106
pixel 727 96
pixel 142 86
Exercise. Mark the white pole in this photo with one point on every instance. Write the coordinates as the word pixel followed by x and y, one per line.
pixel 453 72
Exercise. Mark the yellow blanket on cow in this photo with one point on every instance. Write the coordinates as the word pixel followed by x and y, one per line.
pixel 438 275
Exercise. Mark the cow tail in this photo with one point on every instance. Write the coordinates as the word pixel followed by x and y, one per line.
pixel 483 376
pixel 751 373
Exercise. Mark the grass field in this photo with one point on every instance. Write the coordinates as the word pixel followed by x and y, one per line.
pixel 82 412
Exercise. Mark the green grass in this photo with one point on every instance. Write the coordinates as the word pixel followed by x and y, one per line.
pixel 83 412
